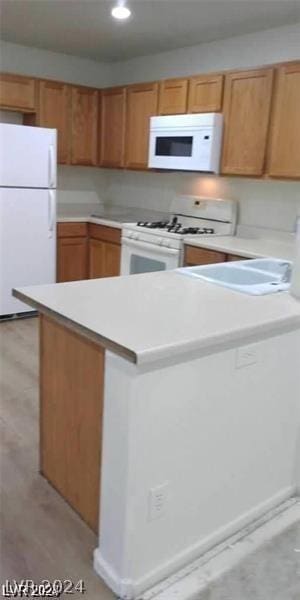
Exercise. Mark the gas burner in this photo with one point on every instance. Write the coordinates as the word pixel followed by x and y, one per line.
pixel 174 226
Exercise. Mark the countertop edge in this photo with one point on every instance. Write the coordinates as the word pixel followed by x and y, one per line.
pixel 122 351
pixel 95 220
pixel 152 357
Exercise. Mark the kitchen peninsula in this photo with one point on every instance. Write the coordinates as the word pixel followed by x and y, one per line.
pixel 169 387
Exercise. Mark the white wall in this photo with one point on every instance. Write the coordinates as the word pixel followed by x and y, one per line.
pixel 81 185
pixel 226 449
pixel 266 203
pixel 273 45
pixel 25 60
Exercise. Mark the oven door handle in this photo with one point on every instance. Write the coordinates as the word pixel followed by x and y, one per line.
pixel 158 249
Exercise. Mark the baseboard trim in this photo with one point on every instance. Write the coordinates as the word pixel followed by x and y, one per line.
pixel 129 589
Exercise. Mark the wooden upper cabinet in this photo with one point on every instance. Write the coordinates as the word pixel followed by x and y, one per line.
pixel 284 151
pixel 55 111
pixel 173 97
pixel 112 127
pixel 247 102
pixel 84 126
pixel 205 93
pixel 17 93
pixel 142 100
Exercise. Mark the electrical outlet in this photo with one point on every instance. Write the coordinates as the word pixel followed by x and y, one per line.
pixel 246 356
pixel 158 499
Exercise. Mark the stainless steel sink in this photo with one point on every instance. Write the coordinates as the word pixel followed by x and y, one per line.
pixel 256 277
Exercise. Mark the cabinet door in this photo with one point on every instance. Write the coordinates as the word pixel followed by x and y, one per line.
pixel 205 93
pixel 96 259
pixel 284 154
pixel 72 256
pixel 173 97
pixel 17 93
pixel 112 259
pixel 247 102
pixel 112 127
pixel 55 111
pixel 200 256
pixel 84 136
pixel 141 105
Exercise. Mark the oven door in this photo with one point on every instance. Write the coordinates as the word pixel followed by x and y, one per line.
pixel 181 149
pixel 142 257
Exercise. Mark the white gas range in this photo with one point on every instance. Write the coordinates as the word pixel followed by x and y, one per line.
pixel 158 245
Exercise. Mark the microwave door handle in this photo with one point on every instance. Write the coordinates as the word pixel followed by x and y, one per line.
pixel 146 246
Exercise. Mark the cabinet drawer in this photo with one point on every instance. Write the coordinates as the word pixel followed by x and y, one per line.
pixel 72 230
pixel 201 256
pixel 104 233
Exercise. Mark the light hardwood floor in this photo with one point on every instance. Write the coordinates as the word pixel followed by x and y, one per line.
pixel 41 537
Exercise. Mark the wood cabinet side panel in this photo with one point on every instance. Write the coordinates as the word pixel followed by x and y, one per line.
pixel 71 403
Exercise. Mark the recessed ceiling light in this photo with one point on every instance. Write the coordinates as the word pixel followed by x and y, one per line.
pixel 121 12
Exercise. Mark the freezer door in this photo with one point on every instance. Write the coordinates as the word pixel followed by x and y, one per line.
pixel 27 156
pixel 27 243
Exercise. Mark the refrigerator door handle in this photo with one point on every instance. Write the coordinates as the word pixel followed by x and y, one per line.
pixel 51 212
pixel 51 166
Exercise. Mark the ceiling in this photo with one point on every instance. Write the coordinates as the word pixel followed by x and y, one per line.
pixel 85 28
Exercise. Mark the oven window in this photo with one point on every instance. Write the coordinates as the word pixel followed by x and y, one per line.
pixel 174 146
pixel 141 264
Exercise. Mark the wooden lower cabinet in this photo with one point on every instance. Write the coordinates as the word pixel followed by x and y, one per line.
pixel 72 252
pixel 201 256
pixel 234 257
pixel 71 406
pixel 104 251
pixel 104 259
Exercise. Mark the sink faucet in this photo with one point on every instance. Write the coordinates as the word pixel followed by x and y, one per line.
pixel 287 274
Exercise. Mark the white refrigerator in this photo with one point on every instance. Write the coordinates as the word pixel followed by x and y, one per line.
pixel 27 211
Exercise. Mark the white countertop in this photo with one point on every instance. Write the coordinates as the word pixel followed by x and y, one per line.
pixel 110 215
pixel 161 315
pixel 243 246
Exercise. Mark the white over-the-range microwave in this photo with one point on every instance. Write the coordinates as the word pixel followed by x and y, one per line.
pixel 186 142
